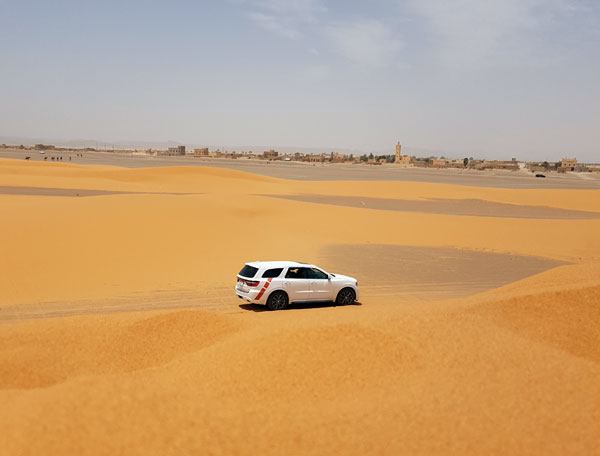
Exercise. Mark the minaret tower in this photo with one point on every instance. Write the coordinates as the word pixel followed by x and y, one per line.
pixel 398 152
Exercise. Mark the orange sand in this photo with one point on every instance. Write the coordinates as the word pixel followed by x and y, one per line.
pixel 510 370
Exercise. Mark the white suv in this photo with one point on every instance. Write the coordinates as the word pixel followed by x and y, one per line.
pixel 278 283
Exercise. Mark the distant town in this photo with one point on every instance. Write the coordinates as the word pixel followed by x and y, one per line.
pixel 565 165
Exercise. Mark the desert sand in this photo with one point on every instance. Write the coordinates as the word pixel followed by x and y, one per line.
pixel 477 331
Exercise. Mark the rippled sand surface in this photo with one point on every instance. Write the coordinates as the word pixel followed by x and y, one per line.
pixel 120 332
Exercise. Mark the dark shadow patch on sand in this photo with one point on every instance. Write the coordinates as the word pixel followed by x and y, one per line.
pixel 74 192
pixel 428 273
pixel 297 306
pixel 464 207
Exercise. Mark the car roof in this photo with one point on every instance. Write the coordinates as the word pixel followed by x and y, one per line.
pixel 279 264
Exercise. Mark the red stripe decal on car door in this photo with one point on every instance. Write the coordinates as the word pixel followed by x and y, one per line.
pixel 265 286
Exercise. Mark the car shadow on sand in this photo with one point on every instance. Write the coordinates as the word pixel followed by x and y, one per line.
pixel 297 306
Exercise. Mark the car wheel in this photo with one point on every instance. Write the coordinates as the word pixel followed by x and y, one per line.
pixel 278 300
pixel 345 297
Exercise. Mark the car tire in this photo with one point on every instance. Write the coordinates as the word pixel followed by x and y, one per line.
pixel 278 300
pixel 345 297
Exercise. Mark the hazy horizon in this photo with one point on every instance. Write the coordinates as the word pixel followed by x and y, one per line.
pixel 157 145
pixel 489 79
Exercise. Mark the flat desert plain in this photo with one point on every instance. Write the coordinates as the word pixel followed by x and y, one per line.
pixel 477 329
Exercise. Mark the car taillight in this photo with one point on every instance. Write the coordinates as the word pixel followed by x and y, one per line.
pixel 250 283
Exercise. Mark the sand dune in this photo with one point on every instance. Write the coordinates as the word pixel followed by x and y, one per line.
pixel 511 366
pixel 565 319
pixel 53 352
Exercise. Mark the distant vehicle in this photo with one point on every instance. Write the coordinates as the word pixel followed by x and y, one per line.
pixel 540 175
pixel 42 152
pixel 279 283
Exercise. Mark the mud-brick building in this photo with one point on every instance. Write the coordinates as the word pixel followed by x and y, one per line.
pixel 179 150
pixel 202 152
pixel 568 164
pixel 270 154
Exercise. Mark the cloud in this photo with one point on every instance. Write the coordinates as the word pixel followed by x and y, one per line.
pixel 272 24
pixel 285 17
pixel 494 32
pixel 365 42
pixel 461 33
pixel 472 30
pixel 302 10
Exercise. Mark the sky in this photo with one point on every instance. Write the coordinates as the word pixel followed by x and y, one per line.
pixel 482 78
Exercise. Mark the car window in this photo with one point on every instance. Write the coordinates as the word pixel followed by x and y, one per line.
pixel 272 273
pixel 296 273
pixel 314 273
pixel 248 271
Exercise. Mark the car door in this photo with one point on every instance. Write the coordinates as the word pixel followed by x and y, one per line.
pixel 320 285
pixel 297 284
